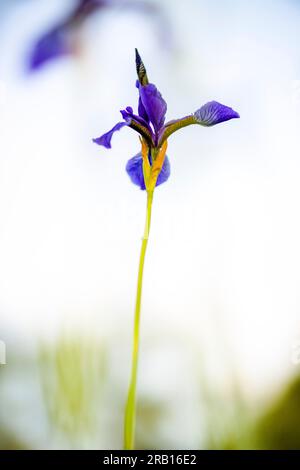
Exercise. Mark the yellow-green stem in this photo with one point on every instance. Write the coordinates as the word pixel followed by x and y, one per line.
pixel 130 410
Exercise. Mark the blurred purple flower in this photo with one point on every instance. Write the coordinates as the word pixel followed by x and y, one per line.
pixel 53 44
pixel 61 40
pixel 150 124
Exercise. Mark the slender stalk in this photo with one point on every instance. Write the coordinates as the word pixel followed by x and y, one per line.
pixel 130 410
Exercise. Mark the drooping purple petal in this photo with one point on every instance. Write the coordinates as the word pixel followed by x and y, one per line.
pixel 134 168
pixel 213 113
pixel 154 105
pixel 52 45
pixel 105 139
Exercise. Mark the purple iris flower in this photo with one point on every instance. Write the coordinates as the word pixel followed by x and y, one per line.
pixel 151 167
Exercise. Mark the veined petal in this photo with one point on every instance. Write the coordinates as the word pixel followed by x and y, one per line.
pixel 208 115
pixel 154 105
pixel 105 139
pixel 134 169
pixel 213 113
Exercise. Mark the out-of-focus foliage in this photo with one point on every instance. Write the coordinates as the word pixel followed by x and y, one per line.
pixel 149 417
pixel 9 442
pixel 279 427
pixel 233 424
pixel 72 375
pixel 76 386
pixel 228 417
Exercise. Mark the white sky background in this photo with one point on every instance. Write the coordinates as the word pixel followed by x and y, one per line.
pixel 223 267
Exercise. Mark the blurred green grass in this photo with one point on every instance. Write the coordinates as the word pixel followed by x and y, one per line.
pixel 73 374
pixel 81 400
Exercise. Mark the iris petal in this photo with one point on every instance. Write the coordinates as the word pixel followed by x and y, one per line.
pixel 142 112
pixel 154 105
pixel 213 113
pixel 105 139
pixel 134 169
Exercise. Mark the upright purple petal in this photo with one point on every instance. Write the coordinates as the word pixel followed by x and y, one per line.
pixel 154 105
pixel 142 112
pixel 141 109
pixel 213 113
pixel 105 139
pixel 134 169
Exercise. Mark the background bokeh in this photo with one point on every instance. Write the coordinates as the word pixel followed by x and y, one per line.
pixel 220 338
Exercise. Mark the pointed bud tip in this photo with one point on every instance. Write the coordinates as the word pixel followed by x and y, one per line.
pixel 140 69
pixel 138 60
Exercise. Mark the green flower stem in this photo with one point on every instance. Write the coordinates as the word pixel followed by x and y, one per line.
pixel 130 410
